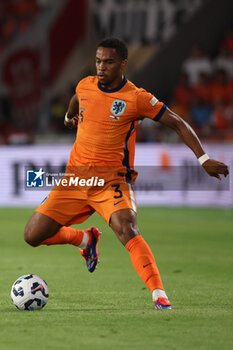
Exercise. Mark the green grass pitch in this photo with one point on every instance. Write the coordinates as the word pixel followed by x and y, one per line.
pixel 111 308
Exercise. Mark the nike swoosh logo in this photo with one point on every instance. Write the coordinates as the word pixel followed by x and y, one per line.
pixel 147 264
pixel 84 99
pixel 118 202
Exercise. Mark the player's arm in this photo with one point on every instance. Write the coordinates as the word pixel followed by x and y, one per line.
pixel 71 117
pixel 189 137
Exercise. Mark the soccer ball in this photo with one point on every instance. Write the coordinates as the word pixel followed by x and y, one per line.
pixel 29 292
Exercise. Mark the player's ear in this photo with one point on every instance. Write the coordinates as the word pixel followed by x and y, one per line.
pixel 124 64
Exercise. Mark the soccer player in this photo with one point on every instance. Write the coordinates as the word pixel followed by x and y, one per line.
pixel 108 109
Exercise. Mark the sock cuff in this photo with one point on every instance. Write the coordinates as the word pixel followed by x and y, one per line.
pixel 133 241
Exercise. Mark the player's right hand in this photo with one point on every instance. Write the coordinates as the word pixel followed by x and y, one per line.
pixel 72 123
pixel 215 168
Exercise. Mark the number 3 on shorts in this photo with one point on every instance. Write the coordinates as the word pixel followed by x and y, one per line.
pixel 118 192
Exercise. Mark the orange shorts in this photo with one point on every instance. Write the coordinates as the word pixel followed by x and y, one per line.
pixel 74 207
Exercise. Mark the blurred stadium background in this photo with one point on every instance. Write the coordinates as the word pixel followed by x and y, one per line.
pixel 182 51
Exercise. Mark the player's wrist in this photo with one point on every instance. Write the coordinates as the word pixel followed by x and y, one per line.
pixel 203 158
pixel 67 119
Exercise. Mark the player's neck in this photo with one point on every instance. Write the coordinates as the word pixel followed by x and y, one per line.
pixel 115 84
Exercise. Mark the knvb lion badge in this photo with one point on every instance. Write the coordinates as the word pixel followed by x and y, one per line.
pixel 35 178
pixel 117 109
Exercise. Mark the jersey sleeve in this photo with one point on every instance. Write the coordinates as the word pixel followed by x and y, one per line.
pixel 84 82
pixel 76 90
pixel 78 87
pixel 148 106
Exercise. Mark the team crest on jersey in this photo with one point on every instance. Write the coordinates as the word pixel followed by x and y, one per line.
pixel 118 108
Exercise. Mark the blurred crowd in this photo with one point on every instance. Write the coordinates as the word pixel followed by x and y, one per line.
pixel 204 93
pixel 203 96
pixel 15 18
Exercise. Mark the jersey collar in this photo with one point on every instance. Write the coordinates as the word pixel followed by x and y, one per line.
pixel 124 81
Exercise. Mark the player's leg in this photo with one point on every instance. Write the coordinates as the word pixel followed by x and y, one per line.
pixel 50 223
pixel 42 229
pixel 116 203
pixel 124 224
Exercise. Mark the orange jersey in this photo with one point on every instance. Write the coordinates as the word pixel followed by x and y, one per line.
pixel 107 122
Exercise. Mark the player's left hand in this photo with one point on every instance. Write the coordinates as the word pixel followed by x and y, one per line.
pixel 215 168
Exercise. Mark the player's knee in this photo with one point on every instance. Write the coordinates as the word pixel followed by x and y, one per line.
pixel 127 227
pixel 126 231
pixel 29 236
pixel 124 224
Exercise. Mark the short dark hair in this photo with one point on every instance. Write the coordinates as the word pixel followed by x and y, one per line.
pixel 117 44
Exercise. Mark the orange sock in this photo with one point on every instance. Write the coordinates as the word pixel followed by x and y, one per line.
pixel 144 263
pixel 66 235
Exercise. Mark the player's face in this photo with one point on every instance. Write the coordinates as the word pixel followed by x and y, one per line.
pixel 109 67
